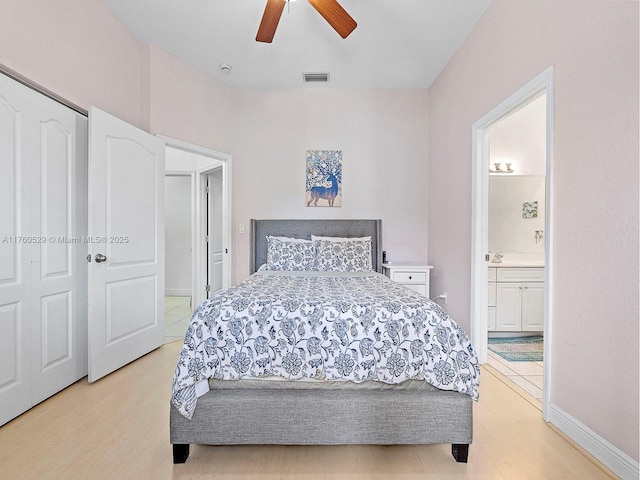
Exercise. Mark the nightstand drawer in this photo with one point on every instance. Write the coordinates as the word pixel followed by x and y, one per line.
pixel 412 275
pixel 409 277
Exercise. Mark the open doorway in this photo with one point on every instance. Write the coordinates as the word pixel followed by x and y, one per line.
pixel 178 251
pixel 484 261
pixel 516 223
pixel 205 226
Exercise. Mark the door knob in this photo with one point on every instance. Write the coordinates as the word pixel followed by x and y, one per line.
pixel 100 258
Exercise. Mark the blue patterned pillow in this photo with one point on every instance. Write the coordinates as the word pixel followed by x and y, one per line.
pixel 292 256
pixel 347 256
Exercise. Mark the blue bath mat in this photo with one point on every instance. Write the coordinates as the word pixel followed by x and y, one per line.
pixel 518 349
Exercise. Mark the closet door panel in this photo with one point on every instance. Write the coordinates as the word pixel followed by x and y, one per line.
pixel 59 268
pixel 56 196
pixel 15 250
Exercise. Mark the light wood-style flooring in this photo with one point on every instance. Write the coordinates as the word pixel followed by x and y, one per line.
pixel 118 428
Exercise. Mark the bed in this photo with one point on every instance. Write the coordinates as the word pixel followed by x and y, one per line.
pixel 297 357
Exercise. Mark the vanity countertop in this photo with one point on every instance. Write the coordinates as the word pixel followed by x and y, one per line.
pixel 517 264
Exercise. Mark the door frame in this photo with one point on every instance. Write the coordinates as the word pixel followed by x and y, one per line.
pixel 212 160
pixel 542 83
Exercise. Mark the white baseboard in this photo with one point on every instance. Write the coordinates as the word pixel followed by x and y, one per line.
pixel 177 292
pixel 606 453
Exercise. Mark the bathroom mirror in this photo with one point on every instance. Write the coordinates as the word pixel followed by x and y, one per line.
pixel 510 230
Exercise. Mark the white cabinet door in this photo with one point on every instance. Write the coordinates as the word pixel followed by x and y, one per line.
pixel 15 277
pixel 126 223
pixel 509 307
pixel 533 307
pixel 491 319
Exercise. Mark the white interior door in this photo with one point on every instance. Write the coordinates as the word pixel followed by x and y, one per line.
pixel 126 225
pixel 15 278
pixel 214 235
pixel 43 270
pixel 59 267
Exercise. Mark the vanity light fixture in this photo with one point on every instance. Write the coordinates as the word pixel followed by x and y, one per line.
pixel 498 168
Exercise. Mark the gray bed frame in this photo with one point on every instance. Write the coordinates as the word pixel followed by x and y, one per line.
pixel 323 417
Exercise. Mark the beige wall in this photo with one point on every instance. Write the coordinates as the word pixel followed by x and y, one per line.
pixel 76 49
pixel 382 135
pixel 189 105
pixel 594 48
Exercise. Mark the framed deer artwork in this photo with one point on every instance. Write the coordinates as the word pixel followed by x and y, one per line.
pixel 324 178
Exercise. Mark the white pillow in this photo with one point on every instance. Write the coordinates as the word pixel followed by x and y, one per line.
pixel 340 239
pixel 343 256
pixel 292 256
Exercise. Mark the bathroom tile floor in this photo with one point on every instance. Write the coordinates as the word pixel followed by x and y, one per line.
pixel 526 375
pixel 177 313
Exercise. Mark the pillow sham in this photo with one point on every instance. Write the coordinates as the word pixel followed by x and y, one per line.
pixel 290 255
pixel 291 239
pixel 343 256
pixel 339 239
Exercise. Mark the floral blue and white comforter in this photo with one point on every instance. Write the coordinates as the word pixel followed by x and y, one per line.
pixel 323 325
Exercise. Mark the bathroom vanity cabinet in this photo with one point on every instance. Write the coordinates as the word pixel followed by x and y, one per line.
pixel 516 299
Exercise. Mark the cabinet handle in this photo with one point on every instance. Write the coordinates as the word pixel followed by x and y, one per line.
pixel 410 277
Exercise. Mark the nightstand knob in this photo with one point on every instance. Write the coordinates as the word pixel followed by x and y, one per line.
pixel 410 277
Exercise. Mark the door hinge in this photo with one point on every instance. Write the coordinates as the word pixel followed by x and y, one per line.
pixel 208 188
pixel 206 238
pixel 486 257
pixel 208 288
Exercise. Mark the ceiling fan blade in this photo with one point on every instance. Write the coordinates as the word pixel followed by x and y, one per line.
pixel 337 16
pixel 270 19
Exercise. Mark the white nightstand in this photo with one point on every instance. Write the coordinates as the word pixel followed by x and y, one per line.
pixel 412 275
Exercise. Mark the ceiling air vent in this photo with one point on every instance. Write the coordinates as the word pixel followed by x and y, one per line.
pixel 315 77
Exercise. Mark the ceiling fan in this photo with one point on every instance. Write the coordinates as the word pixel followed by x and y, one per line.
pixel 331 10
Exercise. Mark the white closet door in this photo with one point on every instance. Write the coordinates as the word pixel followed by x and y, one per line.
pixel 15 277
pixel 126 219
pixel 43 297
pixel 59 269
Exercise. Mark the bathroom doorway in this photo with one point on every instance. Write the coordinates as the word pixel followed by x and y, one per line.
pixel 539 88
pixel 516 225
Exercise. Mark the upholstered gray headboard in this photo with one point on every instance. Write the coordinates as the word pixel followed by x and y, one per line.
pixel 305 228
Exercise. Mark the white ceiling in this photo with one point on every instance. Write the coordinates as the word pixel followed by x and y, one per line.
pixel 397 44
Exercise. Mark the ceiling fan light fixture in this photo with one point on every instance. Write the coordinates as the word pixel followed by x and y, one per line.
pixel 317 77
